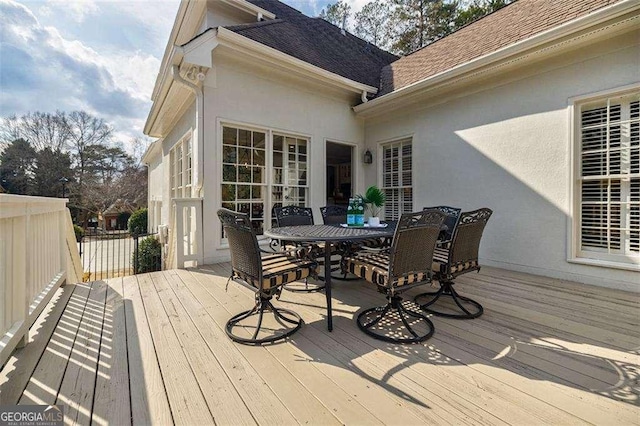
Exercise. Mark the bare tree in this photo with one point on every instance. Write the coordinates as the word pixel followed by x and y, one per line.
pixel 41 129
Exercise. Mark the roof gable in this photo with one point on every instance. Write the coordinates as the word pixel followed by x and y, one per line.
pixel 513 23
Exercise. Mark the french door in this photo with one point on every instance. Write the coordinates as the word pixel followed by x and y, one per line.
pixel 261 170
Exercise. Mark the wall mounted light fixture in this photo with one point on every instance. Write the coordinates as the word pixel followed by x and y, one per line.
pixel 368 157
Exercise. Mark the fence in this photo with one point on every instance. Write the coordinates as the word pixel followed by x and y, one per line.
pixel 35 259
pixel 116 254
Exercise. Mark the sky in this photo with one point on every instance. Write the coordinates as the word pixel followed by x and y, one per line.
pixel 99 56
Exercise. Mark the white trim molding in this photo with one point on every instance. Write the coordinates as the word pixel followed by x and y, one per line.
pixel 574 253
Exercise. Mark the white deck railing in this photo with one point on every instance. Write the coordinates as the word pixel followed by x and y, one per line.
pixel 35 259
pixel 186 236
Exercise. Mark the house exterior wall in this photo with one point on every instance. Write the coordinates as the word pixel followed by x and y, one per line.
pixel 508 147
pixel 235 96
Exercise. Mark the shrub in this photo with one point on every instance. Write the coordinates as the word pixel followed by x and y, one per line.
pixel 147 257
pixel 79 232
pixel 138 222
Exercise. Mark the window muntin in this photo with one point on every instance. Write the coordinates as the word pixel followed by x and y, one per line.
pixel 180 162
pixel 397 178
pixel 608 192
pixel 248 186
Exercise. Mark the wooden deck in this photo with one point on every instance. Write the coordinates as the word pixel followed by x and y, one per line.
pixel 152 349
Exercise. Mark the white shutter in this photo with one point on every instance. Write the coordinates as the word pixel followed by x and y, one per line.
pixel 609 179
pixel 397 178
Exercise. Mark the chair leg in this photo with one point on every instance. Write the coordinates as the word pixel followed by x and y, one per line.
pixel 262 305
pixel 446 289
pixel 395 308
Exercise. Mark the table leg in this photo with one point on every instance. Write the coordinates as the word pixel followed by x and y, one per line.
pixel 327 282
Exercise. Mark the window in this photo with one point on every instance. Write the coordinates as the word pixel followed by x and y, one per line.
pixel 180 163
pixel 397 178
pixel 608 143
pixel 248 185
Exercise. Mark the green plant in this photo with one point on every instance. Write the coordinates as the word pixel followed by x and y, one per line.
pixel 138 222
pixel 79 232
pixel 374 198
pixel 147 257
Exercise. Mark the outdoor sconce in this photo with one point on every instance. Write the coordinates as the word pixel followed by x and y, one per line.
pixel 368 157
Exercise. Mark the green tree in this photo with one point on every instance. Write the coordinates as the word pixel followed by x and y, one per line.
pixel 17 164
pixel 372 23
pixel 337 13
pixel 478 9
pixel 420 22
pixel 51 166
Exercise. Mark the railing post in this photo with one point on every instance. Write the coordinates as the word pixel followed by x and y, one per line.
pixel 20 308
pixel 62 235
pixel 135 254
pixel 179 234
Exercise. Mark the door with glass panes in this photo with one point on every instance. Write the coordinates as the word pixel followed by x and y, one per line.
pixel 289 171
pixel 248 187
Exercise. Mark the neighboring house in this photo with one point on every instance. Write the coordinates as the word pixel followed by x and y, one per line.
pixel 532 111
pixel 116 215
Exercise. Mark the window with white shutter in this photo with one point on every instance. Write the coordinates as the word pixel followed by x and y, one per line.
pixel 608 143
pixel 397 178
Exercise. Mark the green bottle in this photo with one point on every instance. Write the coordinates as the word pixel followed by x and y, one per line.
pixel 351 217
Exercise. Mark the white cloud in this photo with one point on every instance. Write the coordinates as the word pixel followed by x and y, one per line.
pixel 43 67
pixel 78 10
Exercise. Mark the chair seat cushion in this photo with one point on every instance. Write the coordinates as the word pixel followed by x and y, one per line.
pixel 441 263
pixel 280 269
pixel 374 267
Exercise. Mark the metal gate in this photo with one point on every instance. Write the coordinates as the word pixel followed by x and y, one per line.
pixel 109 254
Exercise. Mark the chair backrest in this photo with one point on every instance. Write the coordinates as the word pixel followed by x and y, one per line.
pixel 453 214
pixel 293 215
pixel 243 244
pixel 466 238
pixel 414 242
pixel 333 215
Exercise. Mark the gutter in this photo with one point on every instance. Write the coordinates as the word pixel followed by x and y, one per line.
pixel 198 148
pixel 511 51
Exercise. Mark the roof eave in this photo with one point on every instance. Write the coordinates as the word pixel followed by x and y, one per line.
pixel 233 40
pixel 600 16
pixel 151 151
pixel 251 8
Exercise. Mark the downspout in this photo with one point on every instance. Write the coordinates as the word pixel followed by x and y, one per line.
pixel 198 152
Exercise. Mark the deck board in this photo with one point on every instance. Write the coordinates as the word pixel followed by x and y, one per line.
pixel 152 349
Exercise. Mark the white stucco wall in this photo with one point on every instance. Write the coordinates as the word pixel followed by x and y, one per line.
pixel 240 96
pixel 508 148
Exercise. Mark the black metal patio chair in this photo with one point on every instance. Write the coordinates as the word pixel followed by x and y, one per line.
pixel 406 264
pixel 459 258
pixel 453 215
pixel 266 275
pixel 336 215
pixel 296 216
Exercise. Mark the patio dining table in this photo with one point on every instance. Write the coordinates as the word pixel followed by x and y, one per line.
pixel 329 234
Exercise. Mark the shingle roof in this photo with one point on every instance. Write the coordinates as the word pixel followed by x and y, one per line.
pixel 317 42
pixel 513 23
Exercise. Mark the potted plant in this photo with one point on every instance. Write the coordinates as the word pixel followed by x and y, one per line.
pixel 374 199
